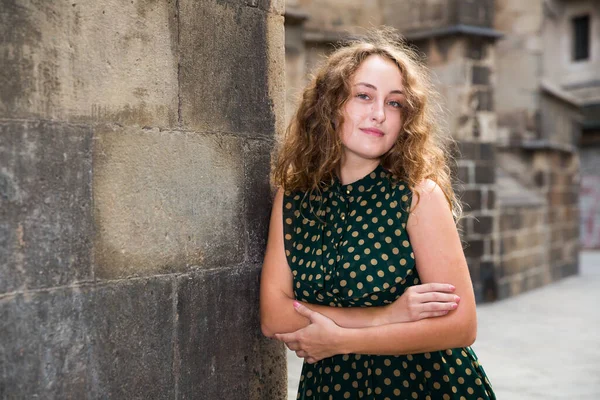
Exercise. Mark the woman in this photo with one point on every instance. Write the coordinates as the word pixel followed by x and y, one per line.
pixel 361 231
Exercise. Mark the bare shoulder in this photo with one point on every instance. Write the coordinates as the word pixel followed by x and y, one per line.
pixel 429 195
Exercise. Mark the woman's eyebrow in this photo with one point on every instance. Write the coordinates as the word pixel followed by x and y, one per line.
pixel 398 91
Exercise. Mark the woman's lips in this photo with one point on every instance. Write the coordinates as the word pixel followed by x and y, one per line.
pixel 372 131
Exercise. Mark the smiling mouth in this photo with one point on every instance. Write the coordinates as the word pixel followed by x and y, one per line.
pixel 372 131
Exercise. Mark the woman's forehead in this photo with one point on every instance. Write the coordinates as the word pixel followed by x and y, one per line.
pixel 379 73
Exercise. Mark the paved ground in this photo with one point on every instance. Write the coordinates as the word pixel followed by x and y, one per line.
pixel 543 344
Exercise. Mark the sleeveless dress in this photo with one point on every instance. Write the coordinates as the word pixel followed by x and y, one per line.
pixel 347 246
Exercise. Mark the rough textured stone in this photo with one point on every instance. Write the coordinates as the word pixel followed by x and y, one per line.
pixel 166 201
pixel 43 350
pixel 131 340
pixel 217 360
pixel 106 342
pixel 54 68
pixel 45 204
pixel 258 196
pixel 217 93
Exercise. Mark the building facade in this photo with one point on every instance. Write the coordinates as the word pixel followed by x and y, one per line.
pixel 520 108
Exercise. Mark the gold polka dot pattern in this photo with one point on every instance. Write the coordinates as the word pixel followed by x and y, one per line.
pixel 347 246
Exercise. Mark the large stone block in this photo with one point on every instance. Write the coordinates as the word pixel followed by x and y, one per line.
pixel 258 196
pixel 166 201
pixel 131 340
pixel 89 60
pixel 222 353
pixel 111 342
pixel 43 346
pixel 46 223
pixel 224 74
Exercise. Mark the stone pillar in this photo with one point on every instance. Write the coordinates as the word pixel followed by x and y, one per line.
pixel 465 67
pixel 538 129
pixel 135 140
pixel 458 42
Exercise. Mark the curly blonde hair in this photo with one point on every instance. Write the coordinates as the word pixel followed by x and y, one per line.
pixel 309 155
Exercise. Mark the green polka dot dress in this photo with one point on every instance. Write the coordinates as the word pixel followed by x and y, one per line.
pixel 347 246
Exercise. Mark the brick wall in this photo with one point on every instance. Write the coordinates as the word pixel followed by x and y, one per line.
pixel 477 191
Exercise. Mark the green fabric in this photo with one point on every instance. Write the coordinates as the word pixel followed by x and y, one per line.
pixel 347 246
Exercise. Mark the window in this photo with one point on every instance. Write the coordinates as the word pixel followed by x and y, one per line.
pixel 581 38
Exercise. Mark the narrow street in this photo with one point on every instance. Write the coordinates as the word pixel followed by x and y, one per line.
pixel 543 344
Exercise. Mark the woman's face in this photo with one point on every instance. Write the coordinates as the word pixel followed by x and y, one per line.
pixel 373 114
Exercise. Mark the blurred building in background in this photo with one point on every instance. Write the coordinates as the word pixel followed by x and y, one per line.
pixel 521 83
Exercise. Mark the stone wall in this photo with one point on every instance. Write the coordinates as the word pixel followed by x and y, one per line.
pixel 440 15
pixel 524 251
pixel 579 77
pixel 135 141
pixel 463 70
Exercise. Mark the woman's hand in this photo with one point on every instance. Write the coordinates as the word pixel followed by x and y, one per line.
pixel 422 301
pixel 316 341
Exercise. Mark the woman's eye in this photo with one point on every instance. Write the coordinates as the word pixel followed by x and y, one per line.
pixel 395 104
pixel 363 96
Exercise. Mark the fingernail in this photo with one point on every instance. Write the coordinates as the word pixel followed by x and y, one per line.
pixel 451 287
pixel 457 299
pixel 454 305
pixel 296 304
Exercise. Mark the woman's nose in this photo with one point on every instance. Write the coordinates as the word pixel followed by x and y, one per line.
pixel 378 112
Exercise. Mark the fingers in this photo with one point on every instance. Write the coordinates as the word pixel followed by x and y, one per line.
pixel 438 297
pixel 434 287
pixel 436 306
pixel 294 346
pixel 433 314
pixel 301 354
pixel 303 310
pixel 286 337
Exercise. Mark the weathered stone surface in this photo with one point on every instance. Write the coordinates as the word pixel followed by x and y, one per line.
pixel 43 345
pixel 228 92
pixel 53 67
pixel 166 201
pixel 258 196
pixel 276 63
pixel 109 342
pixel 222 354
pixel 131 340
pixel 45 204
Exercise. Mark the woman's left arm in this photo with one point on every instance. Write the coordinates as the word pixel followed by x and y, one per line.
pixel 439 258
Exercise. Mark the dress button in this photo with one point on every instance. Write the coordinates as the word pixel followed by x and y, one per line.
pixel 347 191
pixel 343 217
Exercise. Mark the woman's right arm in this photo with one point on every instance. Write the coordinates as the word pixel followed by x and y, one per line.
pixel 277 314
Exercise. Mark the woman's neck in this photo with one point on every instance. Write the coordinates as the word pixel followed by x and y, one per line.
pixel 354 168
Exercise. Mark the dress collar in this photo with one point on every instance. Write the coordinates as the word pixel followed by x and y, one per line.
pixel 361 185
